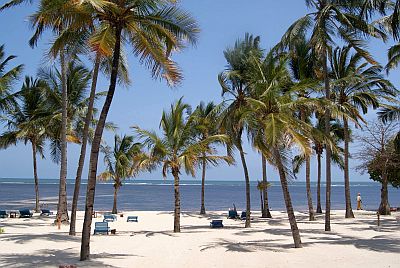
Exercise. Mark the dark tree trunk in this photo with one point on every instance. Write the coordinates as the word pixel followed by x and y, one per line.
pixel 114 209
pixel 81 162
pixel 349 210
pixel 203 180
pixel 177 210
pixel 319 209
pixel 384 207
pixel 327 149
pixel 288 201
pixel 94 153
pixel 247 179
pixel 265 211
pixel 262 201
pixel 35 176
pixel 308 189
pixel 62 208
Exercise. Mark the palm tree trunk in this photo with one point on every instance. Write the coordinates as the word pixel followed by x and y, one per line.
pixel 62 208
pixel 308 186
pixel 262 201
pixel 94 153
pixel 177 210
pixel 384 207
pixel 81 162
pixel 349 210
pixel 203 179
pixel 114 209
pixel 265 212
pixel 35 176
pixel 288 201
pixel 327 149
pixel 319 209
pixel 247 179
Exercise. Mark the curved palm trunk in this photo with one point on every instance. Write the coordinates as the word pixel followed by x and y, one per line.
pixel 265 211
pixel 288 201
pixel 311 215
pixel 177 209
pixel 35 176
pixel 203 179
pixel 349 210
pixel 247 178
pixel 384 207
pixel 81 162
pixel 261 200
pixel 319 209
pixel 94 153
pixel 328 149
pixel 62 208
pixel 114 209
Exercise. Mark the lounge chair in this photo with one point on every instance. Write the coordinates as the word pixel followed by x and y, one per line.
pixel 109 218
pixel 101 228
pixel 232 214
pixel 216 224
pixel 46 212
pixel 25 213
pixel 132 219
pixel 3 214
pixel 243 216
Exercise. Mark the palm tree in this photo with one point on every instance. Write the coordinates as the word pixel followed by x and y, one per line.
pixel 206 118
pixel 154 29
pixel 179 148
pixel 265 212
pixel 7 79
pixel 26 123
pixel 356 86
pixel 330 19
pixel 235 87
pixel 120 162
pixel 262 187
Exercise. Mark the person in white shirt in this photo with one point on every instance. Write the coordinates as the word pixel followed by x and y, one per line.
pixel 359 202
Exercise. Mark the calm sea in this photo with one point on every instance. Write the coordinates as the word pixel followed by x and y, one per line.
pixel 157 195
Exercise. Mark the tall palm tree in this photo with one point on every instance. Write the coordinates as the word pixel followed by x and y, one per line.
pixel 235 88
pixel 327 20
pixel 265 212
pixel 206 119
pixel 262 186
pixel 153 29
pixel 178 148
pixel 7 80
pixel 26 123
pixel 120 162
pixel 355 87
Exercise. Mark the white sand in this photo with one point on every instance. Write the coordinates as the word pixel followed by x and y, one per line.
pixel 151 243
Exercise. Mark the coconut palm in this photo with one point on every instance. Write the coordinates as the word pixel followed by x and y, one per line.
pixel 7 80
pixel 179 148
pixel 327 20
pixel 153 29
pixel 262 187
pixel 120 162
pixel 235 89
pixel 206 119
pixel 26 123
pixel 265 212
pixel 355 87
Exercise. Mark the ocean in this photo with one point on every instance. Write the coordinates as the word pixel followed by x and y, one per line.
pixel 157 195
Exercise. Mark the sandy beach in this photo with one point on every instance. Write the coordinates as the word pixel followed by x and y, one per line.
pixel 355 242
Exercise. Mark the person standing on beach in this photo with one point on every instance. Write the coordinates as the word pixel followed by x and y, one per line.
pixel 359 202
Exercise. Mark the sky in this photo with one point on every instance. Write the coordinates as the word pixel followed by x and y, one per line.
pixel 222 22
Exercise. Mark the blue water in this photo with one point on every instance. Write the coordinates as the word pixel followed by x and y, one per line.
pixel 157 195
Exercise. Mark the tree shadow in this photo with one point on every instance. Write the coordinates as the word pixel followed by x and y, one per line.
pixel 26 238
pixel 249 246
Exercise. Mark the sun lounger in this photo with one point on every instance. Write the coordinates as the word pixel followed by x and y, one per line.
pixel 25 213
pixel 132 219
pixel 101 228
pixel 232 214
pixel 109 218
pixel 3 214
pixel 216 224
pixel 243 216
pixel 46 212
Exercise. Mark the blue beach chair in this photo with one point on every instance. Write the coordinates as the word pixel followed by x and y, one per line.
pixel 46 212
pixel 216 224
pixel 132 219
pixel 109 218
pixel 3 214
pixel 25 213
pixel 232 214
pixel 101 228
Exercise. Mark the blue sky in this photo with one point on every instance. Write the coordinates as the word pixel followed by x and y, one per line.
pixel 221 22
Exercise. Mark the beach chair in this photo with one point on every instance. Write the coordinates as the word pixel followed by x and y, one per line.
pixel 101 228
pixel 25 213
pixel 46 212
pixel 216 224
pixel 132 219
pixel 3 214
pixel 243 216
pixel 109 218
pixel 232 214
